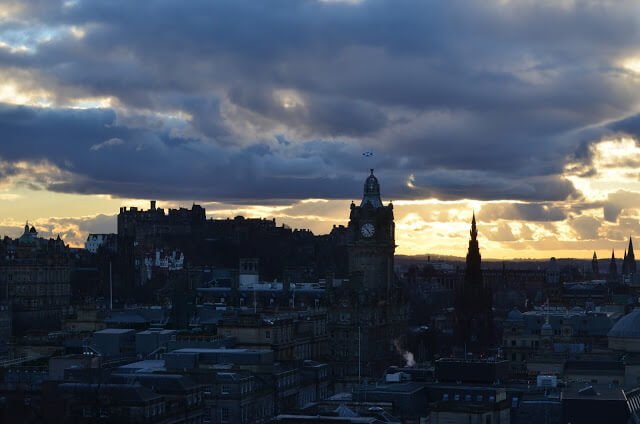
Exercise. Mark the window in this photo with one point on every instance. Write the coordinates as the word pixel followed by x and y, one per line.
pixel 224 414
pixel 267 334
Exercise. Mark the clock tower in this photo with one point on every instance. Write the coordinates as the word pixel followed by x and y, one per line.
pixel 372 238
pixel 367 315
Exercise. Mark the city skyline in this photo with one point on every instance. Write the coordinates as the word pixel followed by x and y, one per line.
pixel 463 107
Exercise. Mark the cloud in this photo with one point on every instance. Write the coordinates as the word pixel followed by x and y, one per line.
pixel 475 101
pixel 521 211
pixel 501 233
pixel 487 185
pixel 108 143
pixel 586 227
pixel 618 201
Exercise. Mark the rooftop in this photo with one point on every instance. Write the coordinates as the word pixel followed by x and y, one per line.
pixel 115 331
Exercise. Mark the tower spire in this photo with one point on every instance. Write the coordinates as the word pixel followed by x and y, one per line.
pixel 473 304
pixel 474 260
pixel 630 262
pixel 613 268
pixel 474 230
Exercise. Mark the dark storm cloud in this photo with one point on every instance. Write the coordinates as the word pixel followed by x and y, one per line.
pixel 629 125
pixel 617 202
pixel 99 157
pixel 450 185
pixel 475 100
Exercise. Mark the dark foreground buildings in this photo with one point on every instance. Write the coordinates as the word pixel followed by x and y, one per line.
pixel 35 281
pixel 245 321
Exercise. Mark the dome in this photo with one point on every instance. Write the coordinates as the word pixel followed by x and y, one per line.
pixel 628 327
pixel 371 192
pixel 515 315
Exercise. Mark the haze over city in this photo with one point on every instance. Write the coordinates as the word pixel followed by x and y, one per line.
pixel 526 112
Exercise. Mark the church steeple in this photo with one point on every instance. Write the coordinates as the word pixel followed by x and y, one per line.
pixel 594 266
pixel 613 268
pixel 629 264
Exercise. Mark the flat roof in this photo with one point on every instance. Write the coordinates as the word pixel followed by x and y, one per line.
pixel 218 350
pixel 405 387
pixel 149 363
pixel 593 393
pixel 115 331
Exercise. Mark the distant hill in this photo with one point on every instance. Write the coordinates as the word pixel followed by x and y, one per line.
pixel 404 261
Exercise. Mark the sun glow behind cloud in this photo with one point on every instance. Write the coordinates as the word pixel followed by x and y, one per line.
pixel 615 165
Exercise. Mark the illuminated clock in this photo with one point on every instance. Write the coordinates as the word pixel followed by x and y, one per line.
pixel 367 230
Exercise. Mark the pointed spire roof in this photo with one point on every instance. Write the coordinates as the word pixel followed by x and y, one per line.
pixel 613 268
pixel 474 230
pixel 630 261
pixel 594 265
pixel 473 273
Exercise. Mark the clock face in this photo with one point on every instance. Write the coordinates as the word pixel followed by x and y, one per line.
pixel 368 230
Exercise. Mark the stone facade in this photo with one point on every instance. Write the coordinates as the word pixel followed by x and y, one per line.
pixel 368 314
pixel 35 277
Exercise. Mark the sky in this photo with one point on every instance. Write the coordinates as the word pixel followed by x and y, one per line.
pixel 526 112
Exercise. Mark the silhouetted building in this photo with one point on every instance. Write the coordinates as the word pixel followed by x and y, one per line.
pixel 372 238
pixel 474 315
pixel 367 315
pixel 594 266
pixel 291 335
pixel 613 268
pixel 35 280
pixel 594 405
pixel 153 242
pixel 629 263
pixel 97 241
